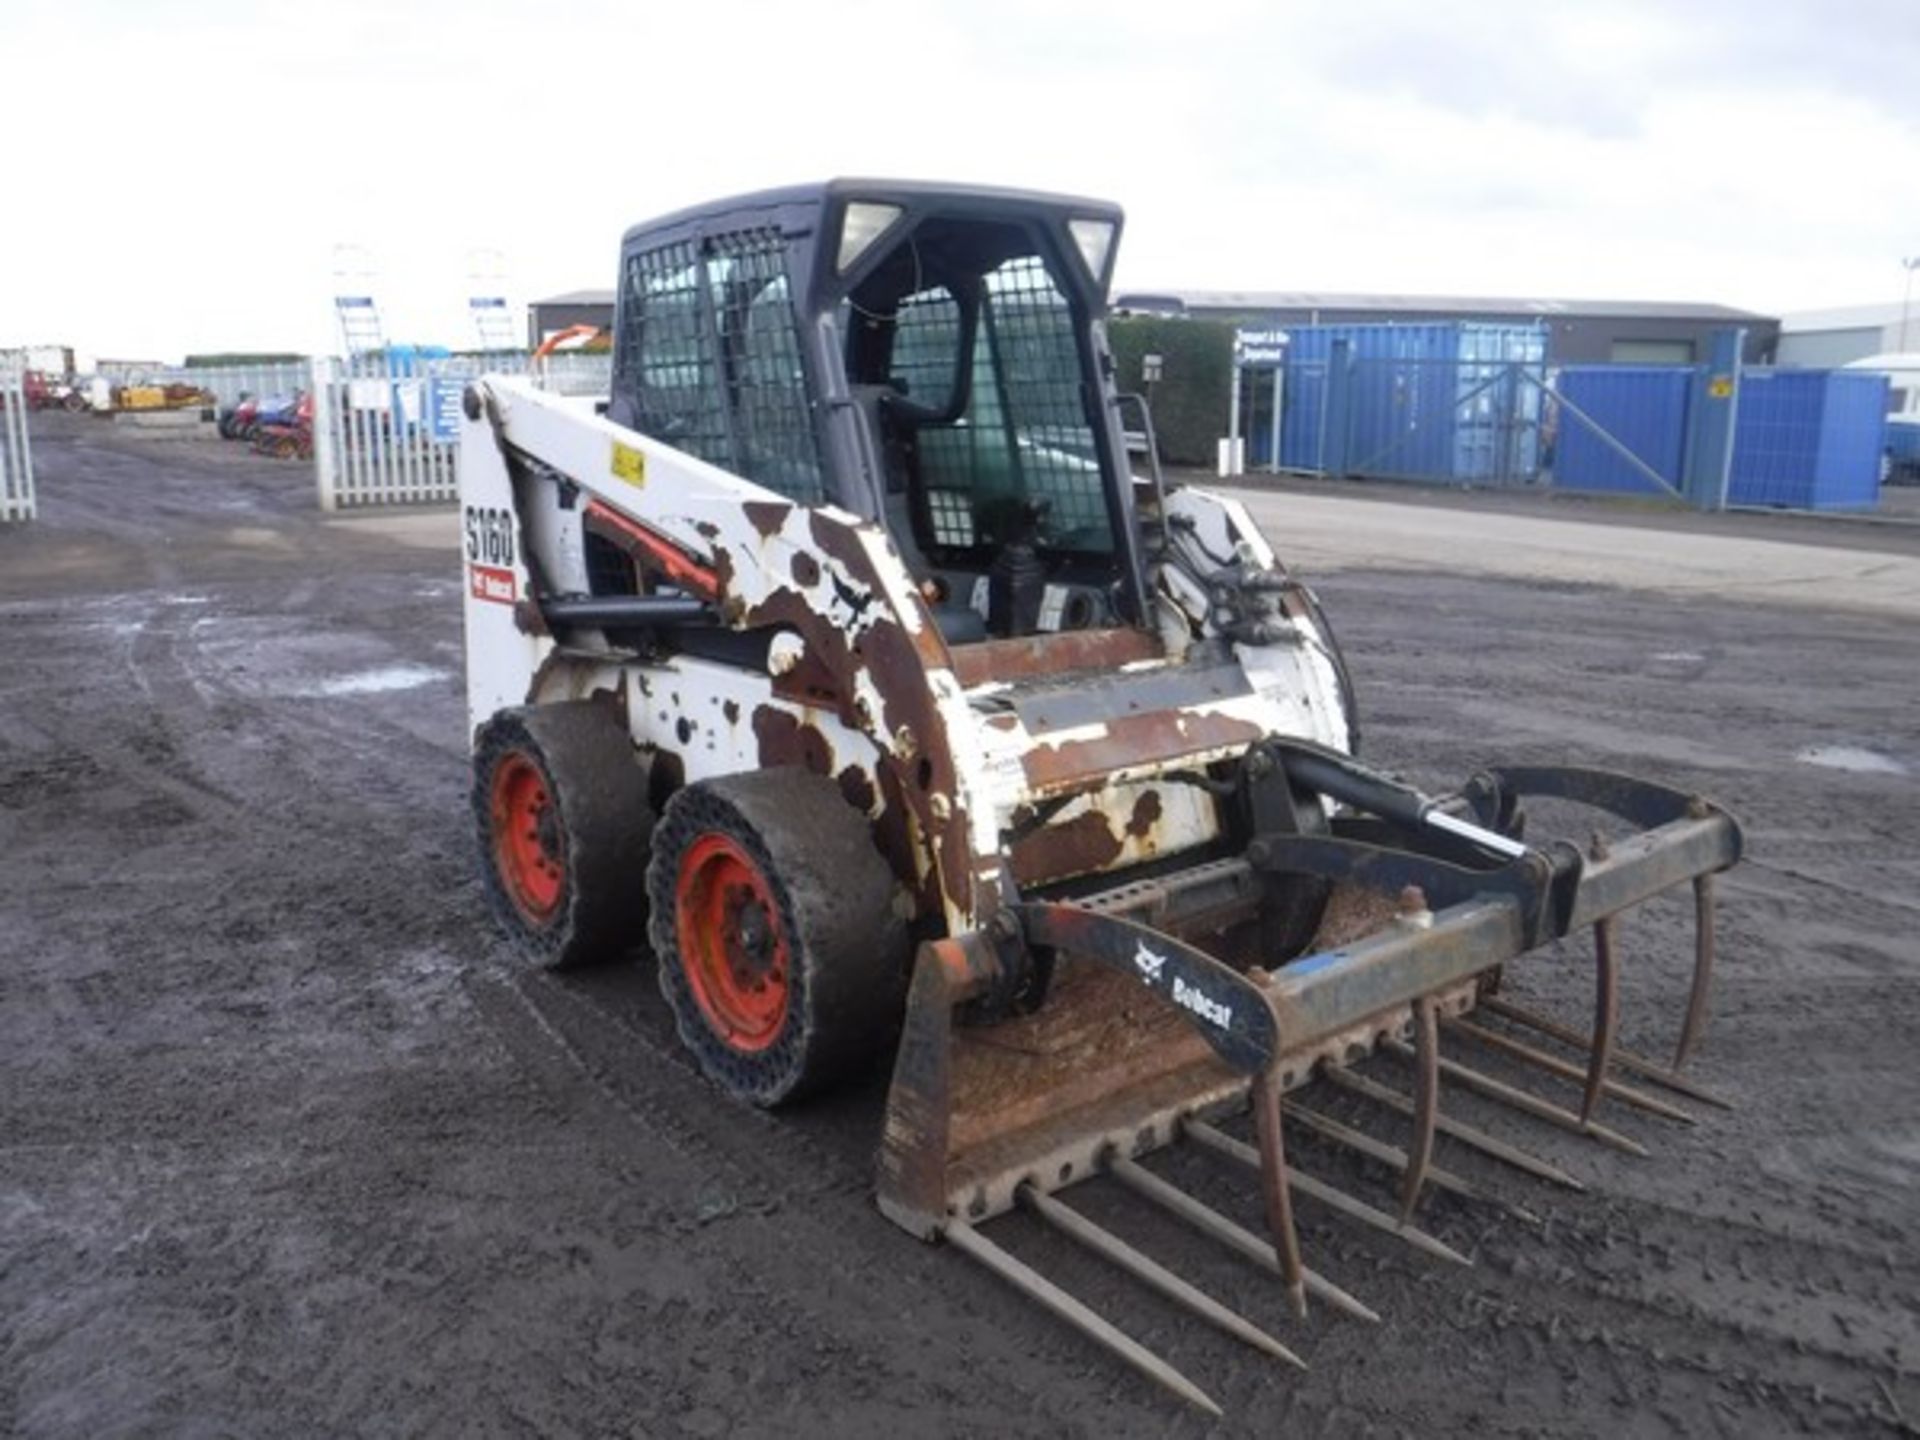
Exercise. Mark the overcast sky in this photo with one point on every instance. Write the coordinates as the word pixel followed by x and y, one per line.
pixel 176 175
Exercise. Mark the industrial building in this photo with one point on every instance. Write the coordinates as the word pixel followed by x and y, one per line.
pixel 1646 332
pixel 575 307
pixel 1826 338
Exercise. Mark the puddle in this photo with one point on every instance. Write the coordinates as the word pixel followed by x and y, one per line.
pixel 1851 757
pixel 370 682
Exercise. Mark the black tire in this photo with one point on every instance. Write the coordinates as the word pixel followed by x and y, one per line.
pixel 573 890
pixel 804 905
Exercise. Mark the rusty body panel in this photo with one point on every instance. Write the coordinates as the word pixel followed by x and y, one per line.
pixel 1065 653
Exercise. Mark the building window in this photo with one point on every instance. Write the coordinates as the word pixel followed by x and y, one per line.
pixel 1652 352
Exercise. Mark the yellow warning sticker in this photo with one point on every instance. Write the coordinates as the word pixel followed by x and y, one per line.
pixel 629 464
pixel 1720 387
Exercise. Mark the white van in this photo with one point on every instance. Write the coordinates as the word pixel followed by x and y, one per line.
pixel 1903 412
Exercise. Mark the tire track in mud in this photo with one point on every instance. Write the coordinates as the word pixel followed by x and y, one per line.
pixel 582 1052
pixel 807 1240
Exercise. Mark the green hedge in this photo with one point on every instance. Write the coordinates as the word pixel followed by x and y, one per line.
pixel 1195 387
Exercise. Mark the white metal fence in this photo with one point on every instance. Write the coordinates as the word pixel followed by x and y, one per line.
pixel 16 454
pixel 384 429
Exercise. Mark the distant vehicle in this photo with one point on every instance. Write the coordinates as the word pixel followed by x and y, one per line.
pixel 51 392
pixel 53 361
pixel 286 434
pixel 236 421
pixel 1902 370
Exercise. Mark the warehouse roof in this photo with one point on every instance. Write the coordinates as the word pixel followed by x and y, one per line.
pixel 579 297
pixel 1843 317
pixel 1259 300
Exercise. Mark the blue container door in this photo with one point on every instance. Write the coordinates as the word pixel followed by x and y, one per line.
pixel 1776 438
pixel 1440 401
pixel 1642 407
pixel 1303 411
pixel 1853 438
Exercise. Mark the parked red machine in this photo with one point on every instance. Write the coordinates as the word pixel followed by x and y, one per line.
pixel 287 438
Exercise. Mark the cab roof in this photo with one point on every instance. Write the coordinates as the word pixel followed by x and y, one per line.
pixel 797 209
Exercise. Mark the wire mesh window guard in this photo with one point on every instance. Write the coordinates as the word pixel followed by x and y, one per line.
pixel 709 359
pixel 1025 438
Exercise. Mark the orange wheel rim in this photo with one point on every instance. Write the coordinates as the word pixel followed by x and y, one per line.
pixel 529 847
pixel 733 949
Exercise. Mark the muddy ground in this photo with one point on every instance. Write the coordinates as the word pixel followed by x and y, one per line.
pixel 289 1146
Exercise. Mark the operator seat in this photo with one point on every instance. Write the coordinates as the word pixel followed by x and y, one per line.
pixel 959 624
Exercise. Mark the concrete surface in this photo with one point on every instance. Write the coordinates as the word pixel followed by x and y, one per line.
pixel 1321 533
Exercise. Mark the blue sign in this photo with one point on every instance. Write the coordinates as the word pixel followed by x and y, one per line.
pixel 443 407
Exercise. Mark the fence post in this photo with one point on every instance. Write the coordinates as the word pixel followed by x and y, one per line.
pixel 1273 428
pixel 1710 421
pixel 16 448
pixel 1233 466
pixel 325 460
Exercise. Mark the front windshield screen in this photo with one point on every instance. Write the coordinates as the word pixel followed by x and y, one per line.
pixel 988 395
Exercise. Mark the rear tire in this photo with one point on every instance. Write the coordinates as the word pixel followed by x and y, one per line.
pixel 780 950
pixel 560 809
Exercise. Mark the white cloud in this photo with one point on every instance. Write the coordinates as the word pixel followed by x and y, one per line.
pixel 186 168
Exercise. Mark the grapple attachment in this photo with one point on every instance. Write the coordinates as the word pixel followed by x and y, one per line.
pixel 1154 1030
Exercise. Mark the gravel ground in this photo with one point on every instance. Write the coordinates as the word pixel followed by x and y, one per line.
pixel 289 1146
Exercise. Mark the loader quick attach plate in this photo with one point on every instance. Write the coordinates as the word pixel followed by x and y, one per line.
pixel 1147 1038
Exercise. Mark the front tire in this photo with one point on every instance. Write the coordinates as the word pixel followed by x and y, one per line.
pixel 780 951
pixel 560 810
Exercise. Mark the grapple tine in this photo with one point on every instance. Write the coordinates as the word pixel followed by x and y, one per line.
pixel 1238 1238
pixel 1466 1134
pixel 1220 1143
pixel 1149 1271
pixel 1525 1103
pixel 1606 1015
pixel 1049 1296
pixel 1426 1102
pixel 1393 1156
pixel 1703 948
pixel 1624 1059
pixel 1554 1065
pixel 1275 1192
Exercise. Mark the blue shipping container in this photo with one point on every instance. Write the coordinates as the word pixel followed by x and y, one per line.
pixel 1809 439
pixel 1455 400
pixel 1642 407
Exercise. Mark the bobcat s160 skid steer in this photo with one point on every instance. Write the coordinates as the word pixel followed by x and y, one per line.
pixel 839 658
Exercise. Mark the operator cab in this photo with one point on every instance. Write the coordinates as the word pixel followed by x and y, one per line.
pixel 927 357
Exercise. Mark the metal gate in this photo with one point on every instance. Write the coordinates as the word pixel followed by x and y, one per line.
pixel 385 426
pixel 1485 422
pixel 1458 402
pixel 1635 438
pixel 16 454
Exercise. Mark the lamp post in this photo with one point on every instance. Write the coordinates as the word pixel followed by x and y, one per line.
pixel 1910 264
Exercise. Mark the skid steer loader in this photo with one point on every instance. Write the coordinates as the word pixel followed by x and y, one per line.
pixel 839 655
